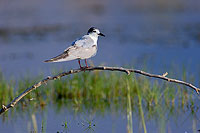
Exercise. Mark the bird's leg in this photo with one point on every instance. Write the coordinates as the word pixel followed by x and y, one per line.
pixel 80 64
pixel 86 63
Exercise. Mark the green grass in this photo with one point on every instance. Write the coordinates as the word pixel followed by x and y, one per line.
pixel 99 91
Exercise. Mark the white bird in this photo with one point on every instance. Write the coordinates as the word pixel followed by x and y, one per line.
pixel 83 48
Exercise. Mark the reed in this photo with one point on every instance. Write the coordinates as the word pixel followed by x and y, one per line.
pixel 99 91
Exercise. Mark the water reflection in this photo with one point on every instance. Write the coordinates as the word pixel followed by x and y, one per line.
pixel 66 121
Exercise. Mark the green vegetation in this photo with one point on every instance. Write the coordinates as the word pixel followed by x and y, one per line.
pixel 102 91
pixel 102 88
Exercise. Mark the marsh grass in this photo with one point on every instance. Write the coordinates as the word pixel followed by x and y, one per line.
pixel 98 91
pixel 129 111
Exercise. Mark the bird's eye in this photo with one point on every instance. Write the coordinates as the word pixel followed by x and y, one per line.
pixel 94 30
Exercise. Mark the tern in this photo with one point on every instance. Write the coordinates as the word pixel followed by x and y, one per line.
pixel 80 49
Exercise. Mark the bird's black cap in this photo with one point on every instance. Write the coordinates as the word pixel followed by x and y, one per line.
pixel 91 29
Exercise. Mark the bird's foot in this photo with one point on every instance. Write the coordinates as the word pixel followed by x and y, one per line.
pixel 84 68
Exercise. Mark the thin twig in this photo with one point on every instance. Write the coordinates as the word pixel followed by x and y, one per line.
pixel 127 71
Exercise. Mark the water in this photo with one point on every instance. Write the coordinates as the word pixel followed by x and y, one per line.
pixel 163 35
pixel 52 120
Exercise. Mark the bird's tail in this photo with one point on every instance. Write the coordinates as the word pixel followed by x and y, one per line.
pixel 58 58
pixel 48 61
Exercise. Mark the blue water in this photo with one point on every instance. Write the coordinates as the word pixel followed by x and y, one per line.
pixel 109 121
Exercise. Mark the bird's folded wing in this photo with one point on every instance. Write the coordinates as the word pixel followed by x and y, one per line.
pixel 75 51
pixel 85 41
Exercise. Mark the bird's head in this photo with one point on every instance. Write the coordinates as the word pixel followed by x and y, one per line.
pixel 95 31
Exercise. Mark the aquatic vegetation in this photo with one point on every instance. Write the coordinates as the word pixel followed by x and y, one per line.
pixel 102 88
pixel 129 111
pixel 100 92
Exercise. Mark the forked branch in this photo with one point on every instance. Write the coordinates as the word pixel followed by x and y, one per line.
pixel 127 71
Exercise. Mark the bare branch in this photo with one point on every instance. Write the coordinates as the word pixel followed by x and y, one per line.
pixel 120 69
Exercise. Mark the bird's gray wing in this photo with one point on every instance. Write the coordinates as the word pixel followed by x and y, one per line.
pixel 85 42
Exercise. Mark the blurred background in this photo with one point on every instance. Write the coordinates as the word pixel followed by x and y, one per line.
pixel 156 35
